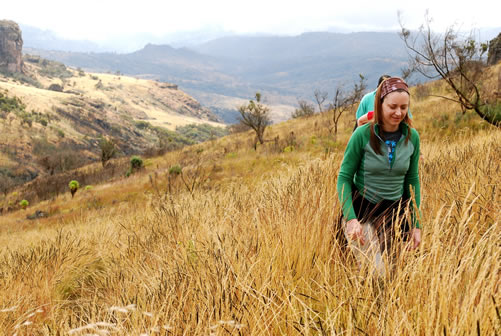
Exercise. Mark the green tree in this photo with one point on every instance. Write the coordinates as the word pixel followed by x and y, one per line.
pixel 256 116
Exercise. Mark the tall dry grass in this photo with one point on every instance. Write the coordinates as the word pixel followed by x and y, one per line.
pixel 262 259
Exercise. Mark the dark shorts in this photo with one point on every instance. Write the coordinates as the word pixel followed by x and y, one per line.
pixel 382 214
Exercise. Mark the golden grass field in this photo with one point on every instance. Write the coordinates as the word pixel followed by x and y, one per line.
pixel 252 250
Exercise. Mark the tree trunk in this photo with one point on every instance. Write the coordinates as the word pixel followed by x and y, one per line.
pixel 491 118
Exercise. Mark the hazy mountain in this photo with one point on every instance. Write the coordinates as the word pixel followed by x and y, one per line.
pixel 302 46
pixel 181 39
pixel 45 39
pixel 282 67
pixel 297 62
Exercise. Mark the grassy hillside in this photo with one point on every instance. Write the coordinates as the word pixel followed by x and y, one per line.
pixel 243 242
pixel 54 109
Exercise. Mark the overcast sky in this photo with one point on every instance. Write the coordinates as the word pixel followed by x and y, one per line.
pixel 101 19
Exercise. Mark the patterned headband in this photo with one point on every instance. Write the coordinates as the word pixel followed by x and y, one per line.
pixel 393 84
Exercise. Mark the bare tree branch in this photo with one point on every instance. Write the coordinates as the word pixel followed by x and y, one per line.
pixel 456 59
pixel 320 97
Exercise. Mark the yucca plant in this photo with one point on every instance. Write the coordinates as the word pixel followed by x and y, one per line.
pixel 74 186
pixel 24 204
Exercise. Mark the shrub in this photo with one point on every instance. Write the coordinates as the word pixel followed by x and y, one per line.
pixel 201 132
pixel 56 87
pixel 74 186
pixel 142 124
pixel 305 109
pixel 24 204
pixel 26 119
pixel 493 111
pixel 99 85
pixel 54 69
pixel 136 162
pixel 22 78
pixel 8 104
pixel 175 170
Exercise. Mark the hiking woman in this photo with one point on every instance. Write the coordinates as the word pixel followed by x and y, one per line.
pixel 366 105
pixel 379 177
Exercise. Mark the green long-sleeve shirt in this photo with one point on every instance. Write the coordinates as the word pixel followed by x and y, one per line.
pixel 373 175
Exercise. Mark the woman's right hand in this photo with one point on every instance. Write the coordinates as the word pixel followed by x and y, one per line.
pixel 362 120
pixel 365 118
pixel 354 231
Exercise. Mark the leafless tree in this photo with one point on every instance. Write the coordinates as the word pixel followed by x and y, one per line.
pixel 108 150
pixel 5 183
pixel 345 101
pixel 196 172
pixel 320 97
pixel 305 109
pixel 455 58
pixel 256 116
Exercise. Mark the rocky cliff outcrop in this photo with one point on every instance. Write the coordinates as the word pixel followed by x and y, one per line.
pixel 494 50
pixel 11 47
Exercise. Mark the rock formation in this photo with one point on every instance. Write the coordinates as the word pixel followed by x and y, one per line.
pixel 11 47
pixel 494 50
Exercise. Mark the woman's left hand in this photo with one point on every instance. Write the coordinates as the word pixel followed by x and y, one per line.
pixel 415 238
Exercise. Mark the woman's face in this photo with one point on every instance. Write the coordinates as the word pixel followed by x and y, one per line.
pixel 395 106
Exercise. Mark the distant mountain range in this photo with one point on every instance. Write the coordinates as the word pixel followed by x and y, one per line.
pixel 48 40
pixel 226 71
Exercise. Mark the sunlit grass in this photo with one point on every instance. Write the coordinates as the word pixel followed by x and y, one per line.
pixel 253 250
